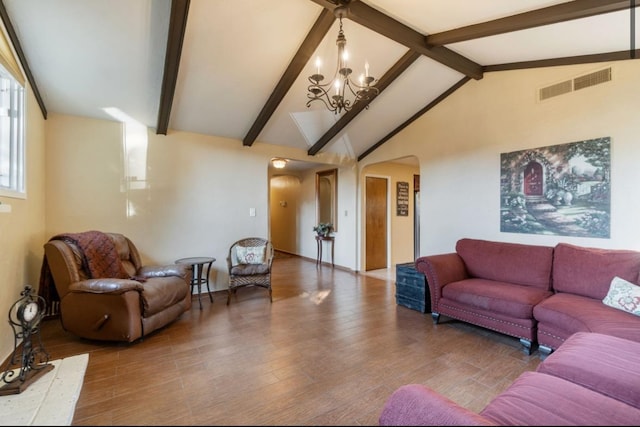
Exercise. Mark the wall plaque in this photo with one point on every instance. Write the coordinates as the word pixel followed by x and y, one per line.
pixel 402 205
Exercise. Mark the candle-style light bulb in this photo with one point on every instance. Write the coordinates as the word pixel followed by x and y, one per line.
pixel 337 85
pixel 318 64
pixel 366 69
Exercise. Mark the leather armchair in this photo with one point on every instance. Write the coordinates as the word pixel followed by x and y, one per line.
pixel 140 301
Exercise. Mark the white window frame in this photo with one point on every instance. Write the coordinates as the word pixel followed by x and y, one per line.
pixel 12 137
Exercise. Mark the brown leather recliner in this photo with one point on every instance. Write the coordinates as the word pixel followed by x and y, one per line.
pixel 115 309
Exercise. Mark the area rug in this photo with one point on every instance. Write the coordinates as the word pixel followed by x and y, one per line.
pixel 51 399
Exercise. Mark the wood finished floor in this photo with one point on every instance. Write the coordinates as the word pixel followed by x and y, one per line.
pixel 329 350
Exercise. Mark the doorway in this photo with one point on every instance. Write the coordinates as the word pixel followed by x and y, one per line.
pixel 375 223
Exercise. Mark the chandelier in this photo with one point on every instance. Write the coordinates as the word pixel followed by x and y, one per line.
pixel 341 85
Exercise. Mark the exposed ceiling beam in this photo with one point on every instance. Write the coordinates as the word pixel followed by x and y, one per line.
pixel 377 21
pixel 177 27
pixel 398 68
pixel 309 45
pixel 550 15
pixel 428 107
pixel 546 16
pixel 568 60
pixel 382 24
pixel 22 58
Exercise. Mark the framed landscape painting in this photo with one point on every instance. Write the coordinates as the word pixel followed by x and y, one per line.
pixel 561 190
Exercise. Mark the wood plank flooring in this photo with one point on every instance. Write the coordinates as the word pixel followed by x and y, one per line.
pixel 329 350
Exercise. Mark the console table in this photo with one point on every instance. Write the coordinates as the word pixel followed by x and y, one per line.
pixel 319 240
pixel 197 264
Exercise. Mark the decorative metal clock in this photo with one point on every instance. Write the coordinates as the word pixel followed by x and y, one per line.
pixel 29 360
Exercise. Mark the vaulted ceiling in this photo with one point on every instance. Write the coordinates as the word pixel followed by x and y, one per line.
pixel 239 69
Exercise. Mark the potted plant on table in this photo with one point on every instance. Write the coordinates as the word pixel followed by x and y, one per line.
pixel 323 229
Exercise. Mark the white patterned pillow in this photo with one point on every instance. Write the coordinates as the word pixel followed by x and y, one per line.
pixel 250 254
pixel 623 295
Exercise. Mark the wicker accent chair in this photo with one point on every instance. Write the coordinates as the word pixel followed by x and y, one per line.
pixel 249 263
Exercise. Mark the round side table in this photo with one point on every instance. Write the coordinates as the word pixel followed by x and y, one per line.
pixel 197 265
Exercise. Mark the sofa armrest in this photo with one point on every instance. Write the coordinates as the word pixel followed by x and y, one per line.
pixel 105 286
pixel 177 270
pixel 439 271
pixel 417 405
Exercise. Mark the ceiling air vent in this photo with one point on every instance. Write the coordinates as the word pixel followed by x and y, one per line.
pixel 580 82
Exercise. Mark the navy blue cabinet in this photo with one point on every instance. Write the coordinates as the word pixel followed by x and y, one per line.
pixel 411 289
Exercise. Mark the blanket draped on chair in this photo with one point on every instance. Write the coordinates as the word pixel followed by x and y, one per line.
pixel 99 259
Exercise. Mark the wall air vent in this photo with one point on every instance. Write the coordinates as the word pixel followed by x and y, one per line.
pixel 592 79
pixel 555 90
pixel 580 82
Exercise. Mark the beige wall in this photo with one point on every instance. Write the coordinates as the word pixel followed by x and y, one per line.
pixel 23 229
pixel 459 143
pixel 195 199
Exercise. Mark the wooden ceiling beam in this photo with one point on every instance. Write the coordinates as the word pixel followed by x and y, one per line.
pixel 568 60
pixel 382 24
pixel 309 45
pixel 546 16
pixel 377 21
pixel 177 28
pixel 22 58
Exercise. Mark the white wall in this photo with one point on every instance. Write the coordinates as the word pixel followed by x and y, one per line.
pixel 459 143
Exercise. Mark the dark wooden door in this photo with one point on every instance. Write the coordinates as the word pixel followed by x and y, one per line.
pixel 375 223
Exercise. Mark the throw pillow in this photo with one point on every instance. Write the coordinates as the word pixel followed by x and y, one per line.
pixel 623 295
pixel 250 254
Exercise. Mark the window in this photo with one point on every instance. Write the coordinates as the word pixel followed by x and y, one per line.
pixel 12 152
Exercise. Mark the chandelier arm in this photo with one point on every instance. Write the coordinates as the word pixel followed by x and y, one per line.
pixel 329 107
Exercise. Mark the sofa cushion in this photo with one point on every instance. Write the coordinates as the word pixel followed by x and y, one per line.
pixel 521 264
pixel 589 271
pixel 539 399
pixel 249 269
pixel 500 297
pixel 418 405
pixel 606 364
pixel 624 296
pixel 568 314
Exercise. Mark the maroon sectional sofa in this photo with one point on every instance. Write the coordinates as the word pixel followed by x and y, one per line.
pixel 539 294
pixel 581 280
pixel 591 379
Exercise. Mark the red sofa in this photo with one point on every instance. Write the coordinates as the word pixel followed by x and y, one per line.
pixel 539 294
pixel 591 379
pixel 581 280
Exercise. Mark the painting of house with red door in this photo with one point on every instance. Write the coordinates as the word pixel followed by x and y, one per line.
pixel 561 190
